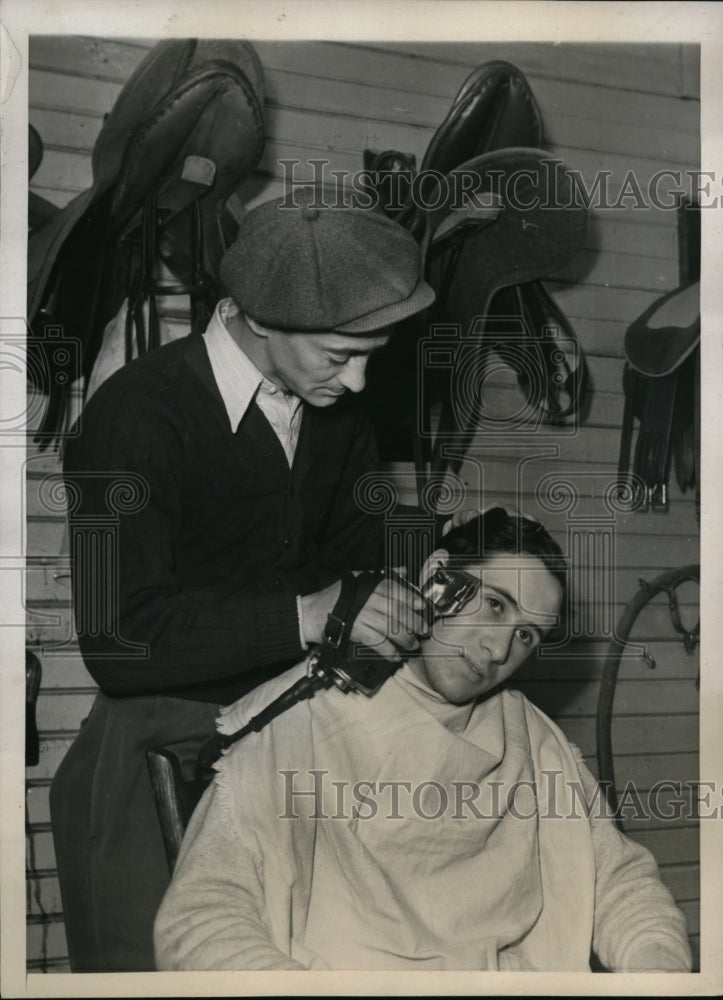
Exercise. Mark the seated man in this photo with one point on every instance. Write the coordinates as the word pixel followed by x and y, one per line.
pixel 445 823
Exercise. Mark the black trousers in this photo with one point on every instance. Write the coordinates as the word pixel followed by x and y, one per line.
pixel 111 861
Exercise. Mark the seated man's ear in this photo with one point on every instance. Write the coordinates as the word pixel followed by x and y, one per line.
pixel 432 564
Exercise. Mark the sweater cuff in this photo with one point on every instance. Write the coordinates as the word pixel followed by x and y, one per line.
pixel 300 614
pixel 277 628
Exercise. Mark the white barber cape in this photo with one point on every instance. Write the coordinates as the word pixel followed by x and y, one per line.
pixel 402 832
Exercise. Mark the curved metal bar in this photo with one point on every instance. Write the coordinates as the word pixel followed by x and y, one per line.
pixel 665 583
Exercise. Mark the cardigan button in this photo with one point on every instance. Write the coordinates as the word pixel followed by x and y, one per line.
pixel 288 542
pixel 278 583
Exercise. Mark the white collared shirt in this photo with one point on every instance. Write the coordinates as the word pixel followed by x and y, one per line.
pixel 240 382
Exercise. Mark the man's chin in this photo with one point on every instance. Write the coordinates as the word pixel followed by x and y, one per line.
pixel 323 398
pixel 458 694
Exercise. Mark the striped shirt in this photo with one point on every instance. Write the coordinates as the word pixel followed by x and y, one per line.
pixel 240 382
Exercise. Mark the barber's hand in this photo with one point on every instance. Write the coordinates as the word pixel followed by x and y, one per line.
pixel 389 623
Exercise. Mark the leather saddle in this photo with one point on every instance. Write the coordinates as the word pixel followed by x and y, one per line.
pixel 537 229
pixel 33 677
pixel 485 265
pixel 40 210
pixel 185 131
pixel 493 109
pixel 661 380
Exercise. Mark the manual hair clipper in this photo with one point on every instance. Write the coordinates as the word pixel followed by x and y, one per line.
pixel 361 669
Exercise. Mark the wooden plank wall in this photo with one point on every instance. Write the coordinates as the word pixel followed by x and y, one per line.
pixel 615 108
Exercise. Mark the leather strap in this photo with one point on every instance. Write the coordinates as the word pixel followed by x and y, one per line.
pixel 341 617
pixel 697 433
pixel 564 378
pixel 354 594
pixel 652 450
pixel 630 378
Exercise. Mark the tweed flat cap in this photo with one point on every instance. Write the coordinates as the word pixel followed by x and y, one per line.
pixel 299 265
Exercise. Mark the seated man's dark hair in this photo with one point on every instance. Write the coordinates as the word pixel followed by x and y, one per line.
pixel 495 532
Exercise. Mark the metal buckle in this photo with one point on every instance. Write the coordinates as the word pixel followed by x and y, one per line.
pixel 332 640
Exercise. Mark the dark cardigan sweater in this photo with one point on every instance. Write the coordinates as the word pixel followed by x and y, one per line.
pixel 185 578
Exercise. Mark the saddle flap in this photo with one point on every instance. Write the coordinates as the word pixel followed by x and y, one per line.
pixel 663 336
pixel 551 340
pixel 538 229
pixel 214 115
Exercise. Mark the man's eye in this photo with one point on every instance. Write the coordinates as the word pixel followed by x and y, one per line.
pixel 495 604
pixel 525 636
pixel 339 362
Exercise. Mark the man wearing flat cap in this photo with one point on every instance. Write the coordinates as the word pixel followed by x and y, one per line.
pixel 222 469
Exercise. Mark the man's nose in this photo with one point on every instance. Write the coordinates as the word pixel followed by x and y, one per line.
pixel 353 374
pixel 498 639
